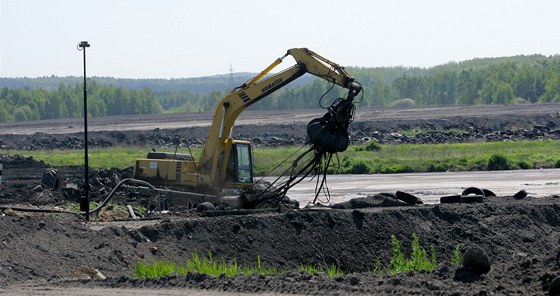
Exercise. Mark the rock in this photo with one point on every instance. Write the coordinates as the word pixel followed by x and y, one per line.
pixel 476 260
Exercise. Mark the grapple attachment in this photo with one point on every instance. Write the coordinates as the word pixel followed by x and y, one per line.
pixel 330 132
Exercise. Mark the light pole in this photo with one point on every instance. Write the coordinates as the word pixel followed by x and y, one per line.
pixel 84 202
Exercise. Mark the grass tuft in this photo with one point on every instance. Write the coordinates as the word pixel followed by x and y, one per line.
pixel 419 259
pixel 331 271
pixel 200 264
pixel 309 269
pixel 498 162
pixel 457 257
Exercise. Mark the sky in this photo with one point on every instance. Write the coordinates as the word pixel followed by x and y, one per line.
pixel 185 38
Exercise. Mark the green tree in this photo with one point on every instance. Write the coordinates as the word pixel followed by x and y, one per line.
pixel 20 114
pixel 5 114
pixel 552 90
pixel 467 88
pixel 503 93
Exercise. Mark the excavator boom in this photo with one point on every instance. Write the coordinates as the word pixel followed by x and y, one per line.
pixel 259 87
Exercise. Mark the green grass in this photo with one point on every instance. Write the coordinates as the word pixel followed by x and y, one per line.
pixel 209 265
pixel 331 271
pixel 311 269
pixel 114 157
pixel 365 159
pixel 198 264
pixel 419 259
pixel 457 257
pixel 403 158
pixel 450 157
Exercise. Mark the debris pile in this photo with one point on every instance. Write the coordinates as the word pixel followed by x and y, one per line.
pixel 279 136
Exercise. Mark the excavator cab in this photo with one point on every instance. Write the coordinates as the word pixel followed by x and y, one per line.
pixel 239 170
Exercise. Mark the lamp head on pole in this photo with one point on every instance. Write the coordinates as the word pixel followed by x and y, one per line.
pixel 82 45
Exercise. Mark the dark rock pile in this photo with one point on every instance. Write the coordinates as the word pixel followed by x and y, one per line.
pixel 473 135
pixel 181 138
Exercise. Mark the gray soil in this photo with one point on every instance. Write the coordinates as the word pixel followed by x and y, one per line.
pixel 519 235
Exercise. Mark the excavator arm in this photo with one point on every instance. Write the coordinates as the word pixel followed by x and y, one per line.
pixel 219 141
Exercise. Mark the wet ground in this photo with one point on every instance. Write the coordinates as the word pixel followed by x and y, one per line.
pixel 430 187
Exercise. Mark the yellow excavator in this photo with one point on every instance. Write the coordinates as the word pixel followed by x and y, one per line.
pixel 226 163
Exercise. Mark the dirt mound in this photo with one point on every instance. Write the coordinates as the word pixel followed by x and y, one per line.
pixel 509 231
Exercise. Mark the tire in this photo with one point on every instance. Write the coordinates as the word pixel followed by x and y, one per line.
pixel 472 198
pixel 408 198
pixel 488 193
pixel 472 190
pixel 450 199
pixel 521 194
pixel 205 206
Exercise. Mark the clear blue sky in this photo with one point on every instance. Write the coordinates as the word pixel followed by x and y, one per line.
pixel 184 38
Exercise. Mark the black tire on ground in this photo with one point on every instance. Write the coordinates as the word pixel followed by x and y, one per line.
pixel 472 190
pixel 205 206
pixel 488 193
pixel 521 194
pixel 408 198
pixel 472 198
pixel 450 199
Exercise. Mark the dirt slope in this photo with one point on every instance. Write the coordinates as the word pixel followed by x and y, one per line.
pixel 519 236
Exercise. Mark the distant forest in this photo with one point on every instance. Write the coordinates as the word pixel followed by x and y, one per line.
pixel 505 80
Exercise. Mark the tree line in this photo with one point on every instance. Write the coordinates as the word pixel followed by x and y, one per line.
pixel 506 80
pixel 67 101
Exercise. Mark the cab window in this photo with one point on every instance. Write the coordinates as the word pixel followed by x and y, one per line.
pixel 240 164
